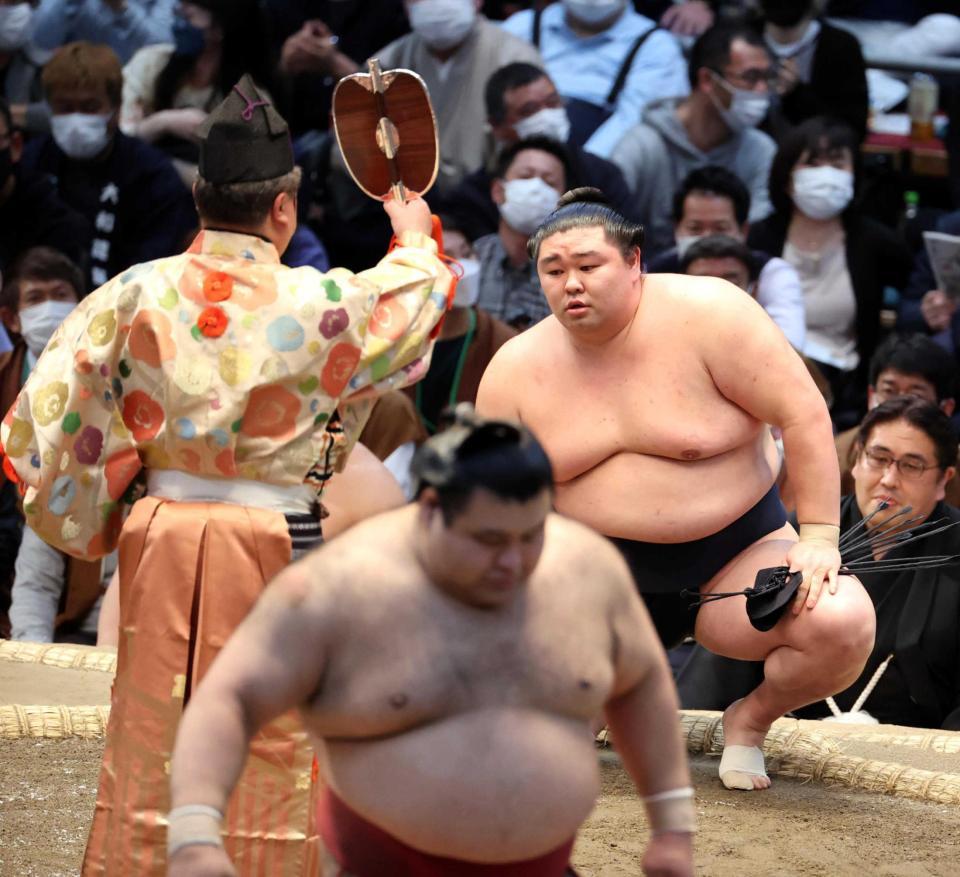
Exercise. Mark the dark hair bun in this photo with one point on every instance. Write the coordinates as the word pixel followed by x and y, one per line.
pixel 583 195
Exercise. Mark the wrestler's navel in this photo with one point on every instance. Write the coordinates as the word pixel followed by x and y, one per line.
pixel 399 701
pixel 690 454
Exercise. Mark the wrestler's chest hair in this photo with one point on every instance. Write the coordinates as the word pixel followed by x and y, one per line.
pixel 413 655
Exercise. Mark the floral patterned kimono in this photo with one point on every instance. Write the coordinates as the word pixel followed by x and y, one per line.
pixel 226 365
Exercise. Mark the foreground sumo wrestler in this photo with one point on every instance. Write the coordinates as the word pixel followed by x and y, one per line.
pixel 651 394
pixel 447 660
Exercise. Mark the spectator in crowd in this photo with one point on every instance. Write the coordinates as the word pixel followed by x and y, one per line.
pixel 522 101
pixel 731 74
pixel 906 455
pixel 469 336
pixel 900 28
pixel 32 213
pixel 607 60
pixel 20 65
pixel 904 365
pixel 924 307
pixel 821 67
pixel 713 201
pixel 57 598
pixel 169 88
pixel 455 50
pixel 132 198
pixel 316 42
pixel 530 177
pixel 718 255
pixel 844 259
pixel 40 289
pixel 124 25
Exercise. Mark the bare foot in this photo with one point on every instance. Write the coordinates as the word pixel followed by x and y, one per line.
pixel 743 741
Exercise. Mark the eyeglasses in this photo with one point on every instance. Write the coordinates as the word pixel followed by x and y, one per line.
pixel 908 468
pixel 750 78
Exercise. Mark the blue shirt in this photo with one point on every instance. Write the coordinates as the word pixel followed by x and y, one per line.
pixel 141 23
pixel 586 67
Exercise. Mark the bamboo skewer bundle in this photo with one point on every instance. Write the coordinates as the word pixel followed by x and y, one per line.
pixel 66 657
pixel 53 722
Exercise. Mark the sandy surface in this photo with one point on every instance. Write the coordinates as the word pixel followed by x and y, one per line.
pixel 47 789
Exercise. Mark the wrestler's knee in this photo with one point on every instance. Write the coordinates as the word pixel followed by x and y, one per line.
pixel 842 627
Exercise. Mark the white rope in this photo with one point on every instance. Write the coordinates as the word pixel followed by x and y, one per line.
pixel 867 691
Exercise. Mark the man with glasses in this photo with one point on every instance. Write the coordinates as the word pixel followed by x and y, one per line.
pixel 904 365
pixel 906 455
pixel 904 462
pixel 732 77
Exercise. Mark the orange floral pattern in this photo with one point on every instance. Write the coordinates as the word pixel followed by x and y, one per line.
pixel 340 366
pixel 271 413
pixel 212 322
pixel 217 286
pixel 389 319
pixel 142 415
pixel 151 339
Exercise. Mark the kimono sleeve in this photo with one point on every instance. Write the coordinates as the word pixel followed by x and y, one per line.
pixel 396 339
pixel 65 439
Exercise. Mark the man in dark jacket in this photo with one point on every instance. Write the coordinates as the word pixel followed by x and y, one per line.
pixel 31 212
pixel 822 72
pixel 135 206
pixel 523 102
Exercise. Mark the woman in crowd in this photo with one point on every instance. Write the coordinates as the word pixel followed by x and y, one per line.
pixel 169 89
pixel 844 259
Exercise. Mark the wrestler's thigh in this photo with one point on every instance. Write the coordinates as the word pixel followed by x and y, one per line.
pixel 723 626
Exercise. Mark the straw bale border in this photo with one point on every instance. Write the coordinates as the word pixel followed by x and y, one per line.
pixel 53 722
pixel 66 657
pixel 792 751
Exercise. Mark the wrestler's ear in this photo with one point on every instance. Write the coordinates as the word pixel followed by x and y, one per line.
pixel 429 503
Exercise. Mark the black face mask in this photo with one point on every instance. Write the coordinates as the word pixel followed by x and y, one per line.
pixel 786 13
pixel 6 166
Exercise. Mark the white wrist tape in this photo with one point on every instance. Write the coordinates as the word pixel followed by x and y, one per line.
pixel 828 533
pixel 193 825
pixel 672 811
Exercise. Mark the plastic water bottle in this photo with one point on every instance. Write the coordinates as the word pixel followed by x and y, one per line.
pixel 922 105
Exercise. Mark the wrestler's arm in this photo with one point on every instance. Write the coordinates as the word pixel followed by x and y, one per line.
pixel 272 663
pixel 497 396
pixel 642 716
pixel 754 366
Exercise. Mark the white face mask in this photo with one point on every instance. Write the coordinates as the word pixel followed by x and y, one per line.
pixel 552 122
pixel 527 203
pixel 15 26
pixel 468 286
pixel 685 241
pixel 39 322
pixel 822 192
pixel 747 108
pixel 593 11
pixel 442 24
pixel 81 135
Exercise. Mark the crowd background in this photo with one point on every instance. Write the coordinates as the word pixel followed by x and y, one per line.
pixel 773 143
